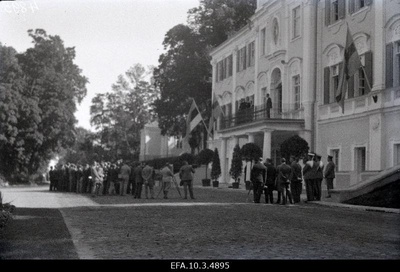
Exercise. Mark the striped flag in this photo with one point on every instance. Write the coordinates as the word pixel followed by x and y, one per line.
pixel 351 64
pixel 216 112
pixel 193 118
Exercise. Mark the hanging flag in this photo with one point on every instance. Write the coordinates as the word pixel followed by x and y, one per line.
pixel 216 111
pixel 351 64
pixel 193 118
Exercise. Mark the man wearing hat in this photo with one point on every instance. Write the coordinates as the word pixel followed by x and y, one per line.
pixel 309 176
pixel 329 174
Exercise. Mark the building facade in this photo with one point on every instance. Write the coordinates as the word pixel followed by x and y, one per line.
pixel 293 51
pixel 154 145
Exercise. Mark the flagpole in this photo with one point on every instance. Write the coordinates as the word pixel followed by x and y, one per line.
pixel 201 116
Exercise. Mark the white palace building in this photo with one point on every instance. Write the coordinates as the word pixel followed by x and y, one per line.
pixel 293 50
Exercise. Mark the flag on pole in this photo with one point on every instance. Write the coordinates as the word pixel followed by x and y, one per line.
pixel 193 118
pixel 351 64
pixel 216 111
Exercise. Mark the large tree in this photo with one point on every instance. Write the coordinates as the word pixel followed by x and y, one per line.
pixel 41 86
pixel 184 70
pixel 119 115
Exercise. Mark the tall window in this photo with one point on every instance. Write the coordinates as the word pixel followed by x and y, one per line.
pixel 224 68
pixel 296 91
pixel 241 59
pixel 296 22
pixel 230 65
pixel 356 5
pixel 331 82
pixel 263 40
pixel 335 159
pixel 335 10
pixel 361 82
pixel 360 159
pixel 251 58
pixel 335 82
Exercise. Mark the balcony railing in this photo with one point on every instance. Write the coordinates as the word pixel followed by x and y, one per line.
pixel 258 113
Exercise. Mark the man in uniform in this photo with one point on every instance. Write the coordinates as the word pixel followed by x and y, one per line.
pixel 283 181
pixel 329 174
pixel 257 178
pixel 309 176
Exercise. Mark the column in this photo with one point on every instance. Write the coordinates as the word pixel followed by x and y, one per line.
pixel 222 157
pixel 267 143
pixel 378 46
pixel 256 57
pixel 234 57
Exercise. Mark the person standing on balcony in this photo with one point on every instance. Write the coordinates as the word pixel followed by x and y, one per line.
pixel 329 174
pixel 268 106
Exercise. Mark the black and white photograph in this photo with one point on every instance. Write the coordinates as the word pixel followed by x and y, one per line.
pixel 200 134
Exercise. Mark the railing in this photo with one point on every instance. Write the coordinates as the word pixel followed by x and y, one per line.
pixel 261 112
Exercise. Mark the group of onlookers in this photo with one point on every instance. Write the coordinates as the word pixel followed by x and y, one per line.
pixel 118 178
pixel 287 179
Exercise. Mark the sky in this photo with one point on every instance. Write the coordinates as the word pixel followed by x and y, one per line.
pixel 109 36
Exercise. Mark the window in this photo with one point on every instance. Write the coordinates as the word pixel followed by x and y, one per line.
pixel 360 159
pixel 396 154
pixel 331 82
pixel 241 57
pixel 361 82
pixel 224 68
pixel 356 5
pixel 334 11
pixel 251 54
pixel 335 159
pixel 296 91
pixel 296 22
pixel 230 65
pixel 263 40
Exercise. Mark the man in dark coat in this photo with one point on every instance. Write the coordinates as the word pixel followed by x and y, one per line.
pixel 138 180
pixel 283 181
pixel 257 176
pixel 295 183
pixel 329 174
pixel 270 181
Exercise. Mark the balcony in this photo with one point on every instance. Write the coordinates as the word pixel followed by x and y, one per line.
pixel 259 113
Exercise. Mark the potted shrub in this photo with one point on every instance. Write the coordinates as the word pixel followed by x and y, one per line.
pixel 205 158
pixel 250 152
pixel 215 168
pixel 236 166
pixel 295 146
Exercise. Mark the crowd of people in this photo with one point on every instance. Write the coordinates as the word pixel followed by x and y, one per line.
pixel 287 179
pixel 120 178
